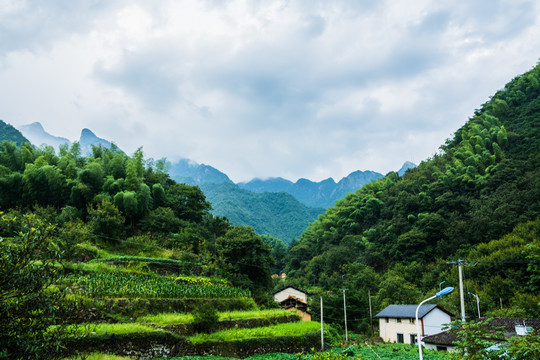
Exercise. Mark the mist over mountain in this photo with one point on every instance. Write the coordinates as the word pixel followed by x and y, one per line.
pixel 273 206
pixel 189 172
pixel 88 138
pixel 37 135
pixel 316 194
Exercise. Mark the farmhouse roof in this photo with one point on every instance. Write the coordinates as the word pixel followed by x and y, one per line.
pixel 291 287
pixel 449 337
pixel 408 311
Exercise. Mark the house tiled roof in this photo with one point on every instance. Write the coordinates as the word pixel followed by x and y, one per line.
pixel 446 338
pixel 292 287
pixel 406 311
pixel 449 337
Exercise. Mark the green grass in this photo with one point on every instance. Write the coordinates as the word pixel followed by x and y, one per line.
pixel 183 318
pixel 297 329
pixel 120 328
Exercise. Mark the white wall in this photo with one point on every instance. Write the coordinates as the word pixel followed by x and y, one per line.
pixel 388 331
pixel 431 324
pixel 434 320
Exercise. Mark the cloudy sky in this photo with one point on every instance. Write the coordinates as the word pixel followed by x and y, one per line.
pixel 307 88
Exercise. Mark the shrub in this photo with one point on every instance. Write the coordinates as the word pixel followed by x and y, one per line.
pixel 205 318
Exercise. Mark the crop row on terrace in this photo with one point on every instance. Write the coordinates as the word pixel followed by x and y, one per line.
pixel 118 284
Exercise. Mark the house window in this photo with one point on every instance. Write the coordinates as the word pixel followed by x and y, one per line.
pixel 398 320
pixel 386 319
pixel 413 339
pixel 411 321
pixel 442 348
pixel 400 338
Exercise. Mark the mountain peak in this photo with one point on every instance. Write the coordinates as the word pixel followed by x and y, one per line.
pixel 36 126
pixel 406 166
pixel 87 133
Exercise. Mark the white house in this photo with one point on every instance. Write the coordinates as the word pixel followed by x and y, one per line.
pixel 397 323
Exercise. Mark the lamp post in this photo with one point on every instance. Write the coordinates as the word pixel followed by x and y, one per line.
pixel 477 302
pixel 444 291
pixel 442 282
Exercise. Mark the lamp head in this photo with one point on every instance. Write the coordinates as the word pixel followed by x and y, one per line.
pixel 445 291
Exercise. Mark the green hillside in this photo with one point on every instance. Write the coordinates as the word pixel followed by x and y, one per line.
pixel 90 247
pixel 277 214
pixel 394 237
pixel 9 133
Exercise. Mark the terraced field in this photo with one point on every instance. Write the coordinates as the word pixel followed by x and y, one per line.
pixel 130 309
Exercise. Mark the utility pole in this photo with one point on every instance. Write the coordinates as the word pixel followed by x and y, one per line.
pixel 345 315
pixel 322 327
pixel 370 313
pixel 461 294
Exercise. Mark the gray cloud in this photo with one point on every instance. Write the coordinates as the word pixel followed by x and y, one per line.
pixel 266 88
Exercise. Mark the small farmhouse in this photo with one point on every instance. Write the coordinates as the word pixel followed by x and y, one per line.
pixel 445 341
pixel 294 299
pixel 397 323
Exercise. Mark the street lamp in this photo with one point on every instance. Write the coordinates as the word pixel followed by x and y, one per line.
pixel 444 291
pixel 477 303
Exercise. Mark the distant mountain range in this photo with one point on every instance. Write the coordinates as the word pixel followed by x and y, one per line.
pixel 315 194
pixel 37 136
pixel 273 206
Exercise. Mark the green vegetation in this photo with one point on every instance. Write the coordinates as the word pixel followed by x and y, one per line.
pixel 476 200
pixel 119 328
pixel 108 238
pixel 372 352
pixel 181 318
pixel 29 303
pixel 277 214
pixel 298 328
pixel 9 133
pixel 119 284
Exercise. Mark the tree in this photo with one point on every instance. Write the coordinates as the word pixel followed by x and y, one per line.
pixel 249 260
pixel 475 340
pixel 28 304
pixel 105 220
pixel 188 202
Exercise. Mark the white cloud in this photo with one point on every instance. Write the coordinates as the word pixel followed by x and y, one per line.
pixel 311 89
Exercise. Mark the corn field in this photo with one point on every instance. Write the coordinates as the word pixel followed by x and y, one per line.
pixel 118 284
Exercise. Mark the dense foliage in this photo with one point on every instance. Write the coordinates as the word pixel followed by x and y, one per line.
pixel 394 236
pixel 29 304
pixel 277 214
pixel 9 133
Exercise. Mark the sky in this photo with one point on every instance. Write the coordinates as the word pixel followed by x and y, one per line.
pixel 294 89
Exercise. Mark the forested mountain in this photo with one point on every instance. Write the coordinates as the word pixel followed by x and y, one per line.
pixel 9 133
pixel 478 199
pixel 314 194
pixel 277 214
